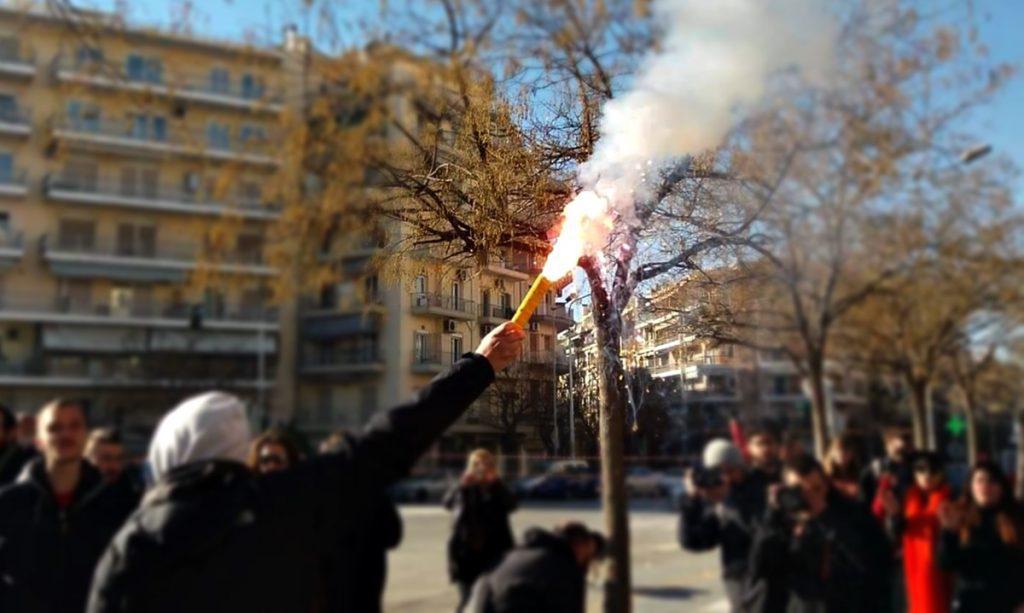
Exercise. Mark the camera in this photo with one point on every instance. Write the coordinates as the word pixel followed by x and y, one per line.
pixel 707 478
pixel 791 500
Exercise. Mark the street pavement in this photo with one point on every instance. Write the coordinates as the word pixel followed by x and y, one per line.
pixel 665 578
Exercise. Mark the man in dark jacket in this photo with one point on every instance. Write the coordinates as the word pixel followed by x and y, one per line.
pixel 13 456
pixel 895 466
pixel 213 536
pixel 105 451
pixel 55 521
pixel 543 575
pixel 725 513
pixel 827 548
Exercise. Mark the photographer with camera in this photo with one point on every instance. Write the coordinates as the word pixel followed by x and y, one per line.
pixel 829 553
pixel 724 504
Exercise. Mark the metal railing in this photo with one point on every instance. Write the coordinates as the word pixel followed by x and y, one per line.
pixel 341 356
pixel 176 82
pixel 433 357
pixel 11 240
pixel 143 250
pixel 18 178
pixel 152 192
pixel 171 135
pixel 17 56
pixel 421 301
pixel 496 311
pixel 15 116
pixel 144 309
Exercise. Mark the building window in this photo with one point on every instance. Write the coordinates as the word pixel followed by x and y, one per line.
pixel 252 86
pixel 419 284
pixel 83 116
pixel 74 295
pixel 456 347
pixel 220 80
pixel 87 56
pixel 137 181
pixel 76 234
pixel 249 193
pixel 81 174
pixel 145 69
pixel 8 107
pixel 149 127
pixel 136 240
pixel 191 183
pixel 10 48
pixel 214 304
pixel 506 305
pixel 249 133
pixel 367 402
pixel 371 289
pixel 250 248
pixel 218 135
pixel 456 295
pixel 421 347
pixel 6 167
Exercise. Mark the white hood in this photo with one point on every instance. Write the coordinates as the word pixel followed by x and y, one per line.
pixel 204 427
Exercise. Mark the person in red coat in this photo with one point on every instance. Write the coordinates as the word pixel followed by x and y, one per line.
pixel 915 523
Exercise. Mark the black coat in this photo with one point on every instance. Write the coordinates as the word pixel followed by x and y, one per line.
pixel 871 475
pixel 48 555
pixel 838 564
pixel 13 458
pixel 539 576
pixel 481 533
pixel 989 573
pixel 354 574
pixel 213 536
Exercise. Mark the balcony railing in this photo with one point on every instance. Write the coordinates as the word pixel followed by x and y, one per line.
pixel 341 356
pixel 174 139
pixel 183 253
pixel 13 183
pixel 16 62
pixel 441 302
pixel 157 196
pixel 496 311
pixel 142 310
pixel 11 242
pixel 19 119
pixel 180 84
pixel 433 358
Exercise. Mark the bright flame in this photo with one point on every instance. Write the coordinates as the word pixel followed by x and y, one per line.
pixel 587 220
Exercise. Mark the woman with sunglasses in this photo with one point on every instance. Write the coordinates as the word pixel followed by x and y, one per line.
pixel 272 451
pixel 983 543
pixel 915 523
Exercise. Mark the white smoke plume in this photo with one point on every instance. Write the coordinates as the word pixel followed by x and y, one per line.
pixel 715 57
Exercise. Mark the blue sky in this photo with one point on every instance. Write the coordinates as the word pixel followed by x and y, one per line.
pixel 1001 124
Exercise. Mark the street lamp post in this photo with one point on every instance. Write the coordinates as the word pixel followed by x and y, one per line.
pixel 572 389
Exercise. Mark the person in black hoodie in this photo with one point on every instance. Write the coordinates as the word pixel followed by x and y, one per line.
pixel 982 541
pixel 828 550
pixel 481 533
pixel 56 520
pixel 13 456
pixel 543 575
pixel 213 536
pixel 354 574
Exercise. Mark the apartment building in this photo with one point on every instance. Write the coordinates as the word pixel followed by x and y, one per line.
pixel 122 151
pixel 707 382
pixel 367 344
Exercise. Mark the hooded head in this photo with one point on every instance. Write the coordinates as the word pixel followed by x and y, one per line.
pixel 210 426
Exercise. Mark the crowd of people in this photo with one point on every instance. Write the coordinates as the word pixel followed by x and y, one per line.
pixel 218 521
pixel 799 535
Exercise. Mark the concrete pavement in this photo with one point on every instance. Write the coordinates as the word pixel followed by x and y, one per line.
pixel 664 577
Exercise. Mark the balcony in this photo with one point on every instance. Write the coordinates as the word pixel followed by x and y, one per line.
pixel 162 198
pixel 15 64
pixel 12 249
pixel 443 306
pixel 664 371
pixel 13 185
pixel 553 316
pixel 36 372
pixel 139 314
pixel 547 359
pixel 140 262
pixel 196 88
pixel 512 268
pixel 122 137
pixel 342 361
pixel 15 122
pixel 495 314
pixel 431 362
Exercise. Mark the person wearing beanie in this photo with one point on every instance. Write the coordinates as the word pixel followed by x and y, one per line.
pixel 214 536
pixel 722 509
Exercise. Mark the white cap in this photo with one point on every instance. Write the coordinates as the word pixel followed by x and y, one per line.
pixel 210 426
pixel 721 452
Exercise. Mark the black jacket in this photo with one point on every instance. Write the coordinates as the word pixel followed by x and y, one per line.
pixel 13 458
pixel 213 536
pixel 989 573
pixel 481 533
pixel 838 564
pixel 539 576
pixel 702 527
pixel 354 574
pixel 48 555
pixel 871 475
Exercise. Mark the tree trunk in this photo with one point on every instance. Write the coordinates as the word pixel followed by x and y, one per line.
pixel 1019 483
pixel 283 402
pixel 819 421
pixel 919 391
pixel 612 419
pixel 971 433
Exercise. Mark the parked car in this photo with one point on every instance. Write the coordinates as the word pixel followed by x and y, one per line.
pixel 428 487
pixel 562 480
pixel 642 482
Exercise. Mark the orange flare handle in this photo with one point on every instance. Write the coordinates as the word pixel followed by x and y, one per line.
pixel 531 301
